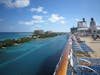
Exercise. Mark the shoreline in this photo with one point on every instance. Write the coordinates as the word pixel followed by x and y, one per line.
pixel 13 42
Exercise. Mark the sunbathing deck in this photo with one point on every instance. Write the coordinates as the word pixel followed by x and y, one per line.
pixel 95 45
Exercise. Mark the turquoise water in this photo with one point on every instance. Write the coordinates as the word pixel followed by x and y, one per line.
pixel 13 35
pixel 37 57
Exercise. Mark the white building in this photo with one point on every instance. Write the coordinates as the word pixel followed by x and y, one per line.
pixel 82 24
pixel 39 32
pixel 93 27
pixel 82 28
pixel 98 29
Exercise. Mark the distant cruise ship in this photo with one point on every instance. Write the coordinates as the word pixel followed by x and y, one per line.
pixel 83 29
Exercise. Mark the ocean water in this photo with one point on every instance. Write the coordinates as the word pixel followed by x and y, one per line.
pixel 37 57
pixel 13 35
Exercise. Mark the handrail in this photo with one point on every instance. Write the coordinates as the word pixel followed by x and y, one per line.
pixel 62 66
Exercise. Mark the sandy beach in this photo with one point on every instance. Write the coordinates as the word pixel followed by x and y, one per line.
pixel 95 45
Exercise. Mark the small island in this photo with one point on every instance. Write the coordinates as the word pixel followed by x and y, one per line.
pixel 36 35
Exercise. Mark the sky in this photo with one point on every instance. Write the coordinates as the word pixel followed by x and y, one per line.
pixel 54 15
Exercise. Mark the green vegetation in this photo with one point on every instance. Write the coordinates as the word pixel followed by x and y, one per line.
pixel 12 42
pixel 7 43
pixel 45 35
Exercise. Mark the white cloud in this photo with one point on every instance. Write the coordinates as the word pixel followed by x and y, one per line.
pixel 57 18
pixel 15 3
pixel 26 22
pixel 39 10
pixel 36 19
pixel 62 22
